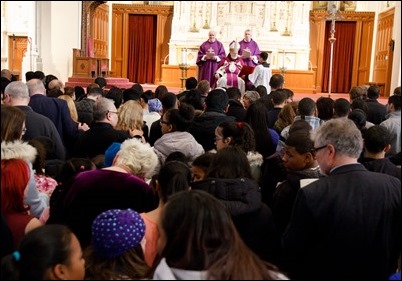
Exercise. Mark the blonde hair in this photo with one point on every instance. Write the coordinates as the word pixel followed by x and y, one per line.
pixel 71 106
pixel 130 116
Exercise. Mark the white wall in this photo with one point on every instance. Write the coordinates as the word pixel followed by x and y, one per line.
pixel 60 33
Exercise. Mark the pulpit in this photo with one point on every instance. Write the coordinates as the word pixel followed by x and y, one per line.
pixel 89 67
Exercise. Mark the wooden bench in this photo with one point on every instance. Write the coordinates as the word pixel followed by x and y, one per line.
pixel 380 85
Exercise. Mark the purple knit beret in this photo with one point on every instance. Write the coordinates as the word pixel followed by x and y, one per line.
pixel 154 105
pixel 117 231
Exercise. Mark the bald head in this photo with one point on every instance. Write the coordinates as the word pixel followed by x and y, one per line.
pixel 35 86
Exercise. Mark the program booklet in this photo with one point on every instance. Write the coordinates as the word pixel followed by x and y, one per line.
pixel 246 54
pixel 210 55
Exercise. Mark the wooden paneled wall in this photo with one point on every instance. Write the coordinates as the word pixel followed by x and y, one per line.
pixel 100 31
pixel 363 45
pixel 120 36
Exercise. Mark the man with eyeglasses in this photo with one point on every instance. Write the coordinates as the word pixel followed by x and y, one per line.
pixel 348 224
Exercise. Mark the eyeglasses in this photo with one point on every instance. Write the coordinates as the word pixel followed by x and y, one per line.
pixel 109 111
pixel 315 149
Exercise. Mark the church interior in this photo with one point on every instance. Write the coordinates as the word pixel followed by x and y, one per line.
pixel 156 42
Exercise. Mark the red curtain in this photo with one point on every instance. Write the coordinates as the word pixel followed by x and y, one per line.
pixel 342 62
pixel 141 49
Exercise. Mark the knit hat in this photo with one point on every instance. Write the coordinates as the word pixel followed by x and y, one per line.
pixel 117 231
pixel 154 105
pixel 110 153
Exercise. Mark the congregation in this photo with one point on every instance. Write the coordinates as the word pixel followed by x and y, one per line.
pixel 231 179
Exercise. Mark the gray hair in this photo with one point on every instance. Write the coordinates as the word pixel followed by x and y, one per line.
pixel 342 134
pixel 101 108
pixel 138 157
pixel 17 89
pixel 35 86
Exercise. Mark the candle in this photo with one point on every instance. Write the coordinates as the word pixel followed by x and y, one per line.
pixel 283 59
pixel 182 56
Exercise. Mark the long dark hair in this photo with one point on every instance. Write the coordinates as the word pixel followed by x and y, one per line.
pixel 200 235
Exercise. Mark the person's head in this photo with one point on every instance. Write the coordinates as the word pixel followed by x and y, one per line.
pixel 49 78
pixel 169 100
pixel 331 149
pixel 101 82
pixel 373 92
pixel 355 93
pixel 177 156
pixel 49 252
pixel 12 123
pixel 359 117
pixel 191 83
pixel 155 105
pixel 39 75
pixel 233 47
pixel 115 251
pixel 139 158
pixel 177 119
pixel 16 93
pixel 70 91
pixel 262 90
pixel 130 116
pixel 197 233
pixel 325 108
pixel 15 174
pixel 29 75
pixel 211 36
pixel 160 91
pixel 235 133
pixel 36 86
pixel 173 177
pixel 204 87
pixel 217 100
pixel 264 56
pixel 79 92
pixel 341 108
pixel 230 163
pixel 286 116
pixel 234 93
pixel 116 94
pixel 276 82
pixel 397 91
pixel 377 139
pixel 299 151
pixel 279 97
pixel 105 111
pixel 193 97
pixel 249 98
pixel 306 107
pixel 5 73
pixel 200 166
pixel 247 35
pixel 394 103
pixel 111 153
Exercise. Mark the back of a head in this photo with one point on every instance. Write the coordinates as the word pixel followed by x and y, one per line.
pixel 116 231
pixel 351 142
pixel 191 83
pixel 341 107
pixel 174 176
pixel 168 100
pixel 264 55
pixel 397 91
pixel 39 252
pixel 131 94
pixel 376 138
pixel 241 134
pixel 300 125
pixel 29 75
pixel 101 82
pixel 79 92
pixel 115 94
pixel 181 118
pixel 276 81
pixel 325 108
pixel 39 75
pixel 95 92
pixel 306 107
pixel 204 87
pixel 138 157
pixel 191 221
pixel 358 116
pixel 373 92
pixel 233 93
pixel 230 163
pixel 49 78
pixel 5 73
pixel 279 96
pixel 160 91
pixel 395 100
pixel 217 100
pixel 355 93
pixel 17 90
pixel 138 88
pixel 301 141
pixel 262 90
pixel 193 97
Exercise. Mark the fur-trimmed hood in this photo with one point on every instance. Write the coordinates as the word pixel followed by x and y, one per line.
pixel 18 150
